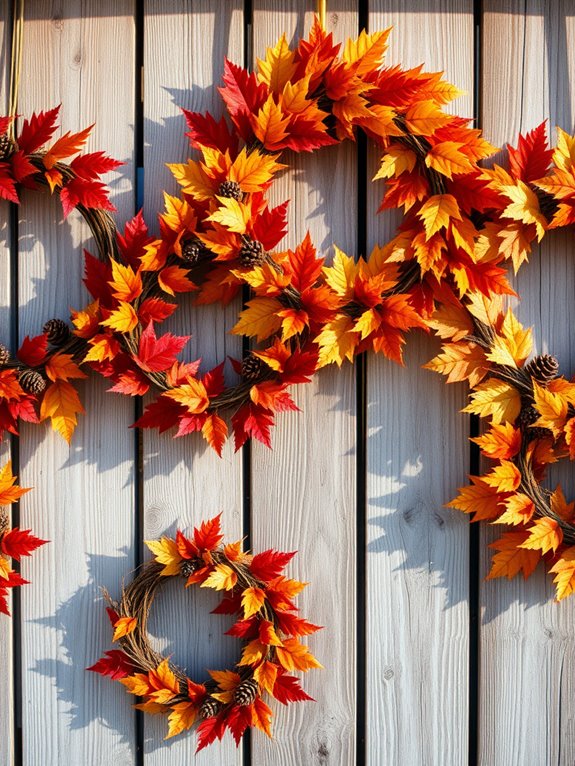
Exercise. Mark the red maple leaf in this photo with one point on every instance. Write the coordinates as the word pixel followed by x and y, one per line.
pixel 209 534
pixel 205 131
pixel 89 194
pixel 33 350
pixel 38 130
pixel 115 664
pixel 20 542
pixel 531 159
pixel 94 164
pixel 132 243
pixel 287 689
pixel 243 96
pixel 269 564
pixel 158 354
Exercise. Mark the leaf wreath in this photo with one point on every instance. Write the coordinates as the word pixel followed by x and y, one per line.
pixel 262 598
pixel 445 270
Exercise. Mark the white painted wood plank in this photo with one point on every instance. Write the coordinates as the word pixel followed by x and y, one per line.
pixel 6 664
pixel 527 712
pixel 303 492
pixel 417 551
pixel 184 480
pixel 79 54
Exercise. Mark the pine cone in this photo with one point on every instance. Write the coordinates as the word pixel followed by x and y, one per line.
pixel 543 368
pixel 230 189
pixel 246 692
pixel 209 708
pixel 192 250
pixel 252 253
pixel 4 356
pixel 4 523
pixel 7 147
pixel 252 367
pixel 189 566
pixel 57 331
pixel 31 381
pixel 527 415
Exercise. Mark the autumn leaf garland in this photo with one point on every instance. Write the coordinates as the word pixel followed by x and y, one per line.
pixel 255 590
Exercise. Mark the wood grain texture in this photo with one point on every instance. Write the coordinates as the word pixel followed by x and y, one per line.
pixel 303 491
pixel 184 480
pixel 79 54
pixel 6 316
pixel 527 708
pixel 417 551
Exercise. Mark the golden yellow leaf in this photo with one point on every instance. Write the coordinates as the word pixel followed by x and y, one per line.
pixel 259 318
pixel 552 409
pixel 231 214
pixel 397 160
pixel 278 67
pixel 460 361
pixel 447 158
pixel 425 117
pixel 123 319
pixel 341 275
pixel 253 170
pixel 564 154
pixel 182 717
pixel 437 212
pixel 9 490
pixel 451 322
pixel 270 125
pixel 512 344
pixel 505 477
pixel 124 626
pixel 252 601
pixel 366 51
pixel 524 206
pixel 125 283
pixel 223 577
pixel 564 569
pixel 61 404
pixel 497 399
pixel 337 341
pixel 5 568
pixel 194 180
pixel 545 535
pixel 515 244
pixel 519 508
pixel 226 680
pixel 253 653
pixel 62 367
pixel 191 394
pixel 295 656
pixel 560 507
pixel 137 684
pixel 165 551
pixel 266 674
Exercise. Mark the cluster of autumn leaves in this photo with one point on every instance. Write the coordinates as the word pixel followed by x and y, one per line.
pixel 255 590
pixel 14 543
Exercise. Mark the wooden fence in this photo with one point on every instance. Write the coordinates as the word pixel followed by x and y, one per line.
pixel 425 662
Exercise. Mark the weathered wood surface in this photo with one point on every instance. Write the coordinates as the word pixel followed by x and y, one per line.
pixel 91 500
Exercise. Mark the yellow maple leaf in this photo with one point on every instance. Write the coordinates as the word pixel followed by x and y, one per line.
pixel 337 341
pixel 477 498
pixel 252 601
pixel 424 118
pixel 485 309
pixel 500 442
pixel 278 67
pixel 552 409
pixel 126 284
pixel 192 394
pixel 270 125
pixel 265 279
pixel 505 477
pixel 560 507
pixel 437 212
pixel 460 361
pixel 123 319
pixel 545 535
pixel 178 214
pixel 164 682
pixel 524 206
pixel 5 568
pixel 447 158
pixel 397 160
pixel 226 680
pixel 253 170
pixel 165 551
pixel 366 51
pixel 515 244
pixel 261 716
pixel 265 674
pixel 182 718
pixel 512 344
pixel 137 684
pixel 124 626
pixel 231 214
pixel 564 154
pixel 295 656
pixel 564 569
pixel 193 179
pixel 259 318
pixel 61 404
pixel 253 653
pixel 341 275
pixel 223 577
pixel 10 492
pixel 451 322
pixel 519 508
pixel 497 399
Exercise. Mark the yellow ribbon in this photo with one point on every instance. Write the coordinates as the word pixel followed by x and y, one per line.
pixel 321 12
pixel 16 61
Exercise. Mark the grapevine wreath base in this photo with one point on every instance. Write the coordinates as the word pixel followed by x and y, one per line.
pixel 444 271
pixel 261 597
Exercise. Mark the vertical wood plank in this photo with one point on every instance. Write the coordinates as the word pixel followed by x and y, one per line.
pixel 527 709
pixel 303 492
pixel 417 551
pixel 79 54
pixel 184 480
pixel 6 316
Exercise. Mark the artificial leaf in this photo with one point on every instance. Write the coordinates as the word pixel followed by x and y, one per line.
pixel 61 404
pixel 166 552
pixel 123 627
pixel 222 577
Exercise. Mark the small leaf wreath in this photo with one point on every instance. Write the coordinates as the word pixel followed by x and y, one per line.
pixel 258 593
pixel 14 543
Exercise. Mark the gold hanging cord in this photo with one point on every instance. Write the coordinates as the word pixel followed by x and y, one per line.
pixel 16 62
pixel 322 12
